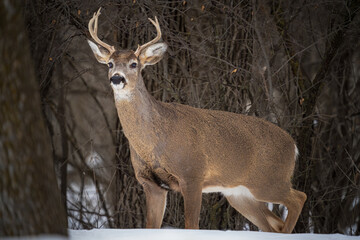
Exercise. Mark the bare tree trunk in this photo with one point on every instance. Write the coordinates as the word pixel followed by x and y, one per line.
pixel 29 199
pixel 63 159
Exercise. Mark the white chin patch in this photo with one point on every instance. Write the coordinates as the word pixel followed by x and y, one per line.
pixel 121 85
pixel 120 92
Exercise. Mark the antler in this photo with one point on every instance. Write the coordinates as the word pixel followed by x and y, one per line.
pixel 93 32
pixel 156 39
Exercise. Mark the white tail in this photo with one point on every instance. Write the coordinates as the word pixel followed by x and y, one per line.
pixel 194 151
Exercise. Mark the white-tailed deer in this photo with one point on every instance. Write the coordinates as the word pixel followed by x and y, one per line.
pixel 194 151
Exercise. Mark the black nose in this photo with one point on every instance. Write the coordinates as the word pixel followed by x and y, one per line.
pixel 116 79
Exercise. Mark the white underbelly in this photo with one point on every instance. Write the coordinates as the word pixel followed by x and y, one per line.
pixel 234 191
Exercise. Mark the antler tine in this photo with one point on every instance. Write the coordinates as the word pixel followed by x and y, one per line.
pixel 156 39
pixel 93 27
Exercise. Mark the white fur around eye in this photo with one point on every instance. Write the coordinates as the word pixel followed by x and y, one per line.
pixel 130 65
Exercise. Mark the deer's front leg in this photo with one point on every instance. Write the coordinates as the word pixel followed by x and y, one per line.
pixel 192 194
pixel 155 203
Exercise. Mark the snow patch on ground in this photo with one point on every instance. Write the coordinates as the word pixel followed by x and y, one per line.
pixel 181 234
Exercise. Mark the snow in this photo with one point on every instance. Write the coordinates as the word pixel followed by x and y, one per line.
pixel 181 234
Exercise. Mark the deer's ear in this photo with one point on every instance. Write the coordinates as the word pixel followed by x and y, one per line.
pixel 152 54
pixel 100 53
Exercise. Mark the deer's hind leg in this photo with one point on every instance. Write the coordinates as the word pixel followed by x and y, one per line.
pixel 292 199
pixel 294 202
pixel 256 212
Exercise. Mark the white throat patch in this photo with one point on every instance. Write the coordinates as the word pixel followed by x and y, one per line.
pixel 121 93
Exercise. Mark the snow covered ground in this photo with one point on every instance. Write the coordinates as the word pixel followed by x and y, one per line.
pixel 180 234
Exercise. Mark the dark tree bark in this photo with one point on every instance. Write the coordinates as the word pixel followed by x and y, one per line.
pixel 29 196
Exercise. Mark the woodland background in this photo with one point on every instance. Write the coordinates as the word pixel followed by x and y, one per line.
pixel 294 63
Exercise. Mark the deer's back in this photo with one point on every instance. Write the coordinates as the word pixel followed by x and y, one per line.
pixel 223 141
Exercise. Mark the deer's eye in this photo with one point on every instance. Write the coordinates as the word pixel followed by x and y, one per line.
pixel 133 65
pixel 110 64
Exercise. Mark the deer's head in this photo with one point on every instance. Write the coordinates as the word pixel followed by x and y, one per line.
pixel 125 65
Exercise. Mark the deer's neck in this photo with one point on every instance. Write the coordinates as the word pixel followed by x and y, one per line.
pixel 139 116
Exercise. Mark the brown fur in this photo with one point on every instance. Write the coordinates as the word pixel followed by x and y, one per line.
pixel 187 149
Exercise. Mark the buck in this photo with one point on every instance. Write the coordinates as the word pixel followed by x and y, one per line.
pixel 194 151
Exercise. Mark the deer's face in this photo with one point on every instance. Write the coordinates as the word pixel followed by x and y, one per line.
pixel 124 70
pixel 125 66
